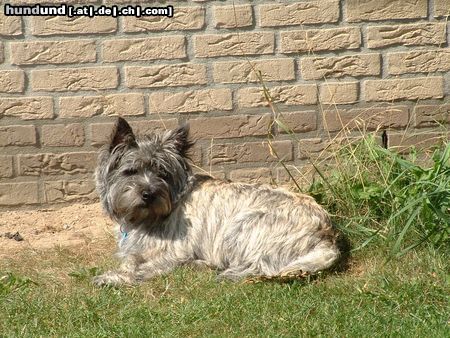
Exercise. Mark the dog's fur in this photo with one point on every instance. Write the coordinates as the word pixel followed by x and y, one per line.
pixel 168 216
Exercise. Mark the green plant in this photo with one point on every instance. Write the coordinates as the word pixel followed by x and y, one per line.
pixel 376 193
pixel 84 274
pixel 9 283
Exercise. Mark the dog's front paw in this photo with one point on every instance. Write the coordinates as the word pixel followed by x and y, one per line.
pixel 113 278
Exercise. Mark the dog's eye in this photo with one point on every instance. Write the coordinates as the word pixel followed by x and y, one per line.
pixel 164 175
pixel 129 172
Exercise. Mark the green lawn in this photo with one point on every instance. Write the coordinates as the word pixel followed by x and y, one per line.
pixel 49 294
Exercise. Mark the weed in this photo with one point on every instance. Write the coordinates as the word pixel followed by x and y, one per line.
pixel 84 274
pixel 376 193
pixel 10 282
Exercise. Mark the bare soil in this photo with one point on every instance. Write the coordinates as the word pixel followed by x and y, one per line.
pixel 75 225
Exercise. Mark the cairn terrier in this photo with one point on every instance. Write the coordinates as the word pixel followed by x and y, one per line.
pixel 167 216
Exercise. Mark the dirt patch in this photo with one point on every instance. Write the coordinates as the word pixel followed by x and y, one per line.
pixel 48 228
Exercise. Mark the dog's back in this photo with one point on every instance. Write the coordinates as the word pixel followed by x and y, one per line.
pixel 251 229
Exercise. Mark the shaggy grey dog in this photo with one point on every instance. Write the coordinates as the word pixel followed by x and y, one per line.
pixel 167 216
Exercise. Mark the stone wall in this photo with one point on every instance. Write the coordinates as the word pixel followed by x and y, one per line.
pixel 327 64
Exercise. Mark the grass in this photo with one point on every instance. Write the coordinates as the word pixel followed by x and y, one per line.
pixel 375 193
pixel 49 294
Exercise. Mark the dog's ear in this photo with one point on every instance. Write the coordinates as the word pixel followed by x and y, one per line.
pixel 179 137
pixel 122 133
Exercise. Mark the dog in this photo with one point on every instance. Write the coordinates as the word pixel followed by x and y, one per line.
pixel 167 216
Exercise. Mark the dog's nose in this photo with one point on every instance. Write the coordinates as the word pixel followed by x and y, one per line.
pixel 146 196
